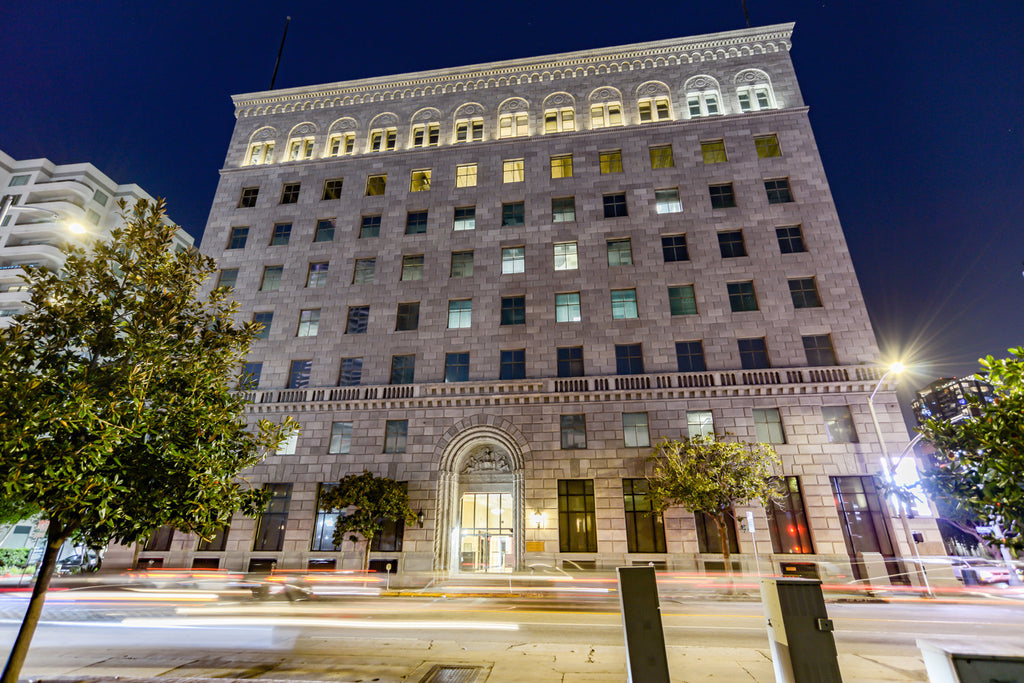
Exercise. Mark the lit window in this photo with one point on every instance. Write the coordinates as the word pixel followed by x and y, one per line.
pixel 395 434
pixel 565 256
pixel 403 369
pixel 778 191
pixel 465 175
pixel 290 193
pixel 513 171
pixel 309 323
pixel 465 218
pixel 351 373
pixel 412 267
pixel 512 125
pixel 700 423
pixel 570 361
pixel 767 146
pixel 341 438
pixel 804 292
pixel 768 425
pixel 298 374
pixel 420 181
pixel 383 139
pixel 456 367
pixel 753 353
pixel 364 271
pixel 513 260
pixel 681 300
pixel 259 153
pixel 629 359
pixel 369 226
pixel 713 151
pixel 332 189
pixel 666 200
pixel 559 120
pixel 611 162
pixel 620 252
pixel 426 134
pixel 513 364
pixel 635 432
pixel 281 235
pixel 324 230
pixel 238 238
pixel 563 209
pixel 661 157
pixel 624 304
pixel 730 244
pixel 513 214
pixel 357 319
pixel 266 319
pixel 300 148
pixel 248 198
pixel 755 98
pixel 415 222
pixel 341 144
pixel 614 205
pixel 462 264
pixel 673 248
pixel 567 308
pixel 654 109
pixel 376 184
pixel 839 424
pixel 722 196
pixel 561 166
pixel 690 356
pixel 513 310
pixel 741 296
pixel 703 103
pixel 316 277
pixel 573 431
pixel 407 317
pixel 460 313
pixel 469 130
pixel 819 351
pixel 791 239
pixel 605 115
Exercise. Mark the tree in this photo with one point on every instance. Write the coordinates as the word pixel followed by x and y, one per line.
pixel 117 414
pixel 980 458
pixel 705 475
pixel 364 502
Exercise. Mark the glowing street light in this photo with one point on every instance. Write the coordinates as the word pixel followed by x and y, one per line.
pixel 7 205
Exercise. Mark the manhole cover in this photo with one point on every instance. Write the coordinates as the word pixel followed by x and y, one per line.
pixel 440 673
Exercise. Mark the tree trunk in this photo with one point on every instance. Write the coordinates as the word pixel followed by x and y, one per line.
pixel 54 540
pixel 723 538
pixel 366 553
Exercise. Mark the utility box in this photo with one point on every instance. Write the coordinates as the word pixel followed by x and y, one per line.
pixel 974 663
pixel 799 631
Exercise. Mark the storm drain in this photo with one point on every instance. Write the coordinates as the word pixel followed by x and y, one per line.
pixel 442 673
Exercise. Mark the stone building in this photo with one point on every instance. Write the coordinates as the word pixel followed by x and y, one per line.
pixel 501 283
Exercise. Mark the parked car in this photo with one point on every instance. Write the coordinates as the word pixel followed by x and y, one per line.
pixel 79 563
pixel 977 571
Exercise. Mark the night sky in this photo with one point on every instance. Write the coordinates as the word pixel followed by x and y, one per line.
pixel 918 109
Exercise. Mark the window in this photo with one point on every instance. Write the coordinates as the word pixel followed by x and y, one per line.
pixel 787 519
pixel 355 323
pixel 100 197
pixel 513 364
pixel 513 260
pixel 408 316
pixel 741 297
pixel 513 310
pixel 574 431
pixel 395 435
pixel 260 153
pixel 426 135
pixel 709 540
pixel 412 267
pixel 722 196
pixel 281 235
pixel 317 275
pixel 216 543
pixel 299 149
pixel 264 318
pixel 819 351
pixel 460 313
pixel 324 231
pixel 376 184
pixel 629 359
pixel 673 248
pixel 681 300
pixel 611 162
pixel 567 308
pixel 713 151
pixel 420 180
pixel 561 166
pixel 383 139
pixel 351 373
pixel 730 244
pixel 341 144
pixel 690 356
pixel 309 323
pixel 753 353
pixel 570 361
pixel 839 424
pixel 227 278
pixel 768 426
pixel 620 252
pixel 19 180
pixel 323 528
pixel 513 214
pixel 700 423
pixel 290 193
pixel 605 115
pixel 634 430
pixel 615 205
pixel 645 528
pixel 767 146
pixel 565 256
pixel 341 438
pixel 667 200
pixel 403 369
pixel 249 380
pixel 791 239
pixel 512 125
pixel 653 109
pixel 248 198
pixel 364 271
pixel 90 215
pixel 577 521
pixel 238 238
pixel 369 227
pixel 298 374
pixel 562 120
pixel 456 367
pixel 778 191
pixel 754 98
pixel 563 209
pixel 513 171
pixel 469 130
pixel 462 264
pixel 703 103
pixel 465 218
pixel 270 530
pixel 465 175
pixel 661 157
pixel 805 293
pixel 623 304
pixel 390 536
pixel 415 222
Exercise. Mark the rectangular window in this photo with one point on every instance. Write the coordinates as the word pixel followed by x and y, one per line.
pixel 290 193
pixel 316 277
pixel 513 364
pixel 731 245
pixel 469 130
pixel 804 292
pixel 768 425
pixel 369 226
pixel 819 351
pixel 216 543
pixel 635 433
pixel 324 230
pixel 465 218
pixel 281 235
pixel 513 310
pixel 561 166
pixel 791 239
pixel 577 520
pixel 561 120
pixel 407 317
pixel 462 264
pixel 460 313
pixel 787 519
pixel 722 196
pixel 415 222
pixel 700 423
pixel 298 374
pixel 605 115
pixel 565 256
pixel 323 528
pixel 376 184
pixel 420 180
pixel 309 323
pixel 653 109
pixel 713 151
pixel 396 433
pixel 574 431
pixel 645 528
pixel 570 361
pixel 270 530
pixel 563 209
pixel 513 214
pixel 767 146
pixel 681 300
pixel 332 189
pixel 611 161
pixel 624 304
pixel 403 369
pixel 300 149
pixel 513 260
pixel 513 171
pixel 667 200
pixel 615 205
pixel 238 238
pixel 690 356
pixel 839 424
pixel 620 252
pixel 456 367
pixel 629 359
pixel 357 318
pixel 741 297
pixel 383 140
pixel 389 538
pixel 465 175
pixel 412 267
pixel 426 135
pixel 512 125
pixel 227 278
pixel 341 144
pixel 709 540
pixel 567 308
pixel 351 373
pixel 100 197
pixel 341 438
pixel 19 180
pixel 778 191
pixel 753 353
pixel 249 380
pixel 248 198
pixel 364 271
pixel 265 319
pixel 661 157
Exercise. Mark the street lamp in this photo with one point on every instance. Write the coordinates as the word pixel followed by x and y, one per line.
pixel 7 205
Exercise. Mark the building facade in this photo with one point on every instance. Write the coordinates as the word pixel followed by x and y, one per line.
pixel 946 398
pixel 502 283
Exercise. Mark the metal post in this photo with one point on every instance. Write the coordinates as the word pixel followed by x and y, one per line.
pixel 5 207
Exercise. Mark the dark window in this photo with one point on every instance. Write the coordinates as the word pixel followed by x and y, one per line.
pixel 791 239
pixel 332 189
pixel 395 436
pixel 681 300
pixel 577 523
pixel 673 247
pixel 629 359
pixel 513 214
pixel 805 293
pixel 787 519
pixel 690 356
pixel 563 209
pixel 357 318
pixel 364 270
pixel 351 373
pixel 227 278
pixel 513 310
pixel 819 350
pixel 722 196
pixel 403 369
pixel 753 353
pixel 238 238
pixel 456 367
pixel 324 230
pixel 160 539
pixel 645 528
pixel 298 375
pixel 270 531
pixel 264 318
pixel 249 197
pixel 408 316
pixel 218 541
pixel 574 431
pixel 862 520
pixel 465 218
pixel 513 364
pixel 741 297
pixel 839 424
pixel 570 361
pixel 412 267
pixel 615 205
pixel 370 226
pixel 290 193
pixel 415 222
pixel 708 538
pixel 730 243
pixel 462 264
pixel 282 233
pixel 389 538
pixel 323 529
pixel 250 377
pixel 778 191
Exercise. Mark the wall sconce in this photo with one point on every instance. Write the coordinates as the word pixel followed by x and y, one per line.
pixel 419 518
pixel 538 519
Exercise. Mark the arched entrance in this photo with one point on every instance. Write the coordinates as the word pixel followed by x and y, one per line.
pixel 480 499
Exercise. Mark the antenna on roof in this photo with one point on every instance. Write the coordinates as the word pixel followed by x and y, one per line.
pixel 746 15
pixel 288 20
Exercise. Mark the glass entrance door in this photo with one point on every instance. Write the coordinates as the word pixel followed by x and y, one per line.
pixel 486 540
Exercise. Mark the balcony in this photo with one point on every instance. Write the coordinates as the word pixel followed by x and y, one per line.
pixel 71 191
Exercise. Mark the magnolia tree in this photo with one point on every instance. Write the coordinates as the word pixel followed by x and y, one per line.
pixel 117 414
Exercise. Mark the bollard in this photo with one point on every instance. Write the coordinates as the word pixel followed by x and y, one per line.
pixel 799 631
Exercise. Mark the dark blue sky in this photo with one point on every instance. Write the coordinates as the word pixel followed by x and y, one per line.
pixel 918 110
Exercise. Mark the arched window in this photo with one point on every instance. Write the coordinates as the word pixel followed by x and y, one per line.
pixel 513 118
pixel 469 123
pixel 653 102
pixel 341 138
pixel 605 108
pixel 383 133
pixel 559 113
pixel 300 142
pixel 261 147
pixel 754 90
pixel 703 97
pixel 426 128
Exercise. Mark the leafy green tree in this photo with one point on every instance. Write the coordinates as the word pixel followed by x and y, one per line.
pixel 980 459
pixel 365 501
pixel 117 413
pixel 703 474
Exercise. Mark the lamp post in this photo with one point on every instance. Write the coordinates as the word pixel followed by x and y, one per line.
pixel 887 467
pixel 7 205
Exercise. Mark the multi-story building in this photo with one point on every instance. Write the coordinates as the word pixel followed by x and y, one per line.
pixel 502 283
pixel 946 398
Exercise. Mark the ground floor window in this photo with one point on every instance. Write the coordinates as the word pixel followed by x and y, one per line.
pixel 787 519
pixel 577 528
pixel 708 538
pixel 270 532
pixel 486 532
pixel 645 528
